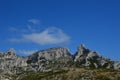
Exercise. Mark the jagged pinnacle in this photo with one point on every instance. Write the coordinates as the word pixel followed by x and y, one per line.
pixel 82 46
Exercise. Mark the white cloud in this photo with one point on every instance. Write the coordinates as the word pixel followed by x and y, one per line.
pixel 51 35
pixel 27 52
pixel 34 21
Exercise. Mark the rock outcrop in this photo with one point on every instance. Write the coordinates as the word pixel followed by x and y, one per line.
pixel 51 54
pixel 9 61
pixel 57 57
pixel 88 58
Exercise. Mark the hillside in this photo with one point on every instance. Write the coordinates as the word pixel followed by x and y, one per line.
pixel 58 64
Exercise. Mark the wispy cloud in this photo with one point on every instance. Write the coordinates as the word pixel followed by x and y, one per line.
pixel 30 28
pixel 26 52
pixel 13 29
pixel 50 35
pixel 27 28
pixel 34 21
pixel 17 40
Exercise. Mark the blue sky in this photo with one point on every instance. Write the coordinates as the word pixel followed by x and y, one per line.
pixel 31 25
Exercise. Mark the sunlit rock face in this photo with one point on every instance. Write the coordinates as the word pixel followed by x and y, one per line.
pixel 84 53
pixel 54 53
pixel 51 54
pixel 52 57
pixel 9 60
pixel 116 65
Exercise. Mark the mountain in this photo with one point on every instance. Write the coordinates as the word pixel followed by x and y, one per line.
pixel 89 58
pixel 53 60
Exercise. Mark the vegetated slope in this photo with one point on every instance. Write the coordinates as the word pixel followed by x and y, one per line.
pixel 75 74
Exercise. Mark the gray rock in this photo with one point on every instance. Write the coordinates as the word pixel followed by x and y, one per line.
pixel 10 54
pixel 116 65
pixel 53 58
pixel 9 61
pixel 50 54
pixel 90 58
pixel 54 53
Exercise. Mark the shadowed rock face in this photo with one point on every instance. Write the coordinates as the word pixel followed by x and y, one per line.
pixel 53 58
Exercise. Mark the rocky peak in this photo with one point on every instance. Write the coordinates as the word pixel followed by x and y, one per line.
pixel 82 51
pixel 10 53
pixel 81 47
pixel 87 57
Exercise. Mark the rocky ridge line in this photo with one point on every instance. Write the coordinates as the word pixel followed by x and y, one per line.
pixel 53 58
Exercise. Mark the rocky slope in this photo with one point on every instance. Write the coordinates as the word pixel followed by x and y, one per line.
pixel 13 67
